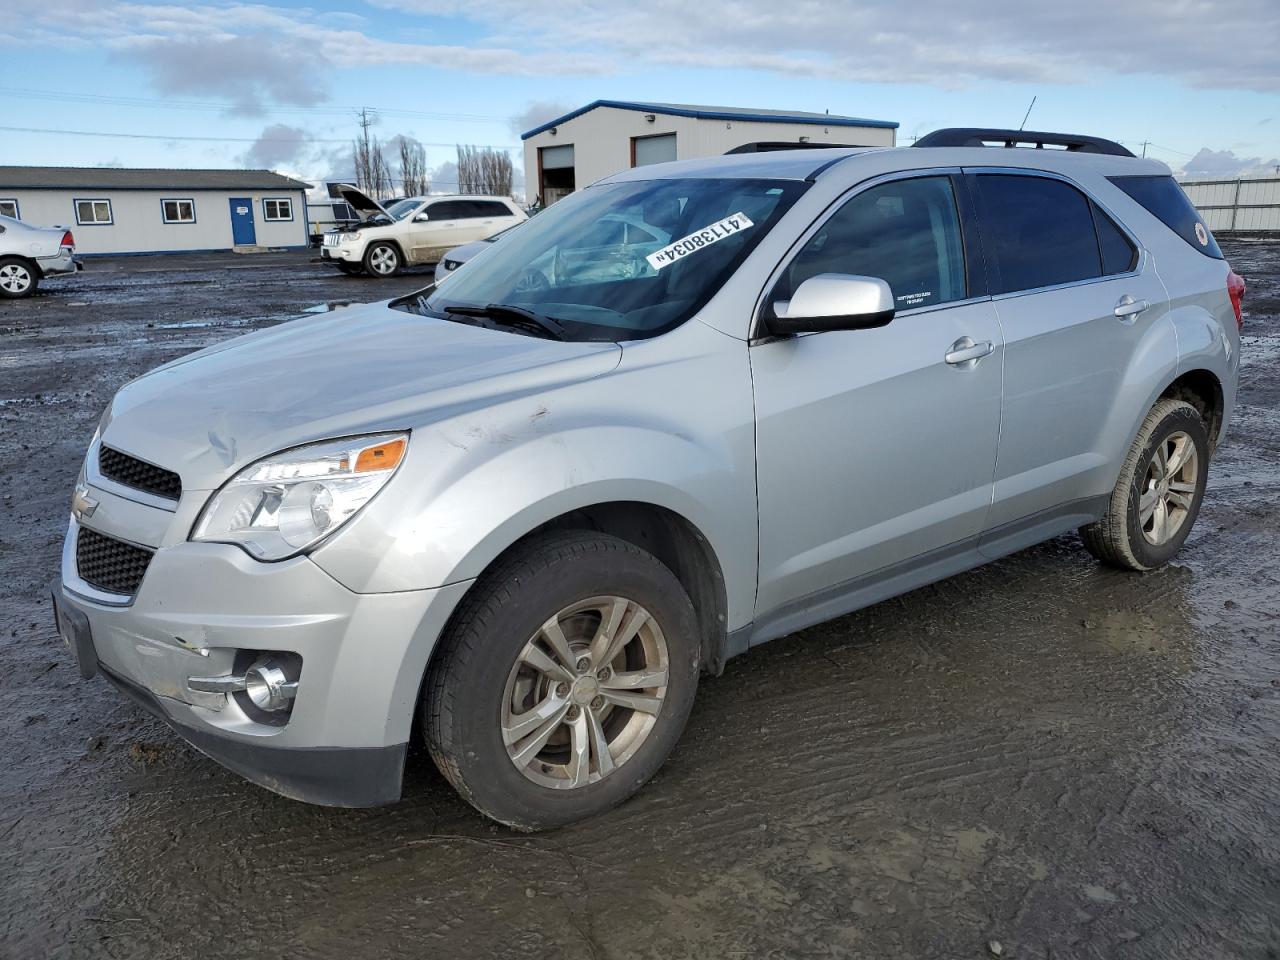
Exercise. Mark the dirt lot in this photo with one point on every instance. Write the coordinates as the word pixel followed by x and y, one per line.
pixel 1061 759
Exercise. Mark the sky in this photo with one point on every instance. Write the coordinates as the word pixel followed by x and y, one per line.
pixel 278 84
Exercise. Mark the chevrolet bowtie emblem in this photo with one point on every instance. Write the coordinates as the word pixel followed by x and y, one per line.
pixel 83 505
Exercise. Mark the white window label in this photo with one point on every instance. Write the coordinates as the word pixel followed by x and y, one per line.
pixel 697 240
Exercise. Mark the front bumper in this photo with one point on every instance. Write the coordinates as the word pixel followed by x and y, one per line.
pixel 201 606
pixel 343 254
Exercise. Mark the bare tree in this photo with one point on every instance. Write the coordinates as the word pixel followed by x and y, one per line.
pixel 373 173
pixel 413 168
pixel 484 170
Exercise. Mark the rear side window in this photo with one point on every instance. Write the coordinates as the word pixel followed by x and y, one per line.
pixel 492 208
pixel 1119 255
pixel 1040 231
pixel 1164 200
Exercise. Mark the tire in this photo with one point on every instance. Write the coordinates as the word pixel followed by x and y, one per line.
pixel 479 676
pixel 382 260
pixel 18 278
pixel 351 269
pixel 1153 508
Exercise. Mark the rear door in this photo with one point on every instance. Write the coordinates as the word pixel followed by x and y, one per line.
pixel 871 447
pixel 1074 293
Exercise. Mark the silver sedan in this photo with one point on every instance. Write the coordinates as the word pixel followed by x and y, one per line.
pixel 29 254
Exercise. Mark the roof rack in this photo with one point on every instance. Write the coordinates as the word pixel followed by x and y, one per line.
pixel 983 136
pixel 768 146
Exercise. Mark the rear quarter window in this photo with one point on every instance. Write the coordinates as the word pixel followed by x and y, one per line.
pixel 1164 200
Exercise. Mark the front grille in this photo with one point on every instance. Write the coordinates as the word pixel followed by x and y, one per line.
pixel 138 474
pixel 110 564
pixel 332 239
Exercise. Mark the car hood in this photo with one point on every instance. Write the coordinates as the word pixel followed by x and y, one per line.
pixel 362 203
pixel 357 370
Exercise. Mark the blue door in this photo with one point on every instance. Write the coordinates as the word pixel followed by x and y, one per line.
pixel 242 231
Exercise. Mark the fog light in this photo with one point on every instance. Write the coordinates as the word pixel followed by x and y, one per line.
pixel 266 684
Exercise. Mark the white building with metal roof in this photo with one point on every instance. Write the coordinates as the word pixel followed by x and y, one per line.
pixel 607 136
pixel 120 210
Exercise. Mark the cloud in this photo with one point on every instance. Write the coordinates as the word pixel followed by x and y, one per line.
pixel 278 144
pixel 1225 164
pixel 930 42
pixel 537 113
pixel 232 67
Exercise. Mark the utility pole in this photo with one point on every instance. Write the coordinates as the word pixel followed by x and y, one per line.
pixel 1145 144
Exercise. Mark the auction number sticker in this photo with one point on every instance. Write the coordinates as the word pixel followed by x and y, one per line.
pixel 699 239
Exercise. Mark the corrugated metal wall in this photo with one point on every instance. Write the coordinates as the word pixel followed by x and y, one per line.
pixel 1251 205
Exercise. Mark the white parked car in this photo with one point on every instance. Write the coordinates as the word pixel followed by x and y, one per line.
pixel 414 230
pixel 28 254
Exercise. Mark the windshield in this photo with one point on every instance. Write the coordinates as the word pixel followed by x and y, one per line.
pixel 402 208
pixel 621 261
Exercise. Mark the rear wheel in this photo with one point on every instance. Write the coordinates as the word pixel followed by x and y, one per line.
pixel 382 260
pixel 17 278
pixel 564 681
pixel 1158 495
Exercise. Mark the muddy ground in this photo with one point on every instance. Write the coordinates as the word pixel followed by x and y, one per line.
pixel 1044 754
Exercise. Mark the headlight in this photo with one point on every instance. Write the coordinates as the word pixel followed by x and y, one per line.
pixel 282 505
pixel 351 237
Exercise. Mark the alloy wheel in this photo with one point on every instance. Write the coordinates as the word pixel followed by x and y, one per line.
pixel 585 692
pixel 383 261
pixel 1169 490
pixel 15 278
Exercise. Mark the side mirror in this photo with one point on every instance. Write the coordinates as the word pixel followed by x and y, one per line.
pixel 421 218
pixel 833 301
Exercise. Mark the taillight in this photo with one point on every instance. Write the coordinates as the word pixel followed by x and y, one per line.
pixel 1235 290
pixel 68 240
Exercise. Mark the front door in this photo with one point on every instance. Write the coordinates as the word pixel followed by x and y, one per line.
pixel 436 229
pixel 243 233
pixel 871 447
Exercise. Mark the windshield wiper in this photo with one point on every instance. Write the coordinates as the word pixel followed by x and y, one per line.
pixel 513 316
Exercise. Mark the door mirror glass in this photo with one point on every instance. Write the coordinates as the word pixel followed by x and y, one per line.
pixel 833 301
pixel 421 218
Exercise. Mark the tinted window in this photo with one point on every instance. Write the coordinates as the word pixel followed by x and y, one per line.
pixel 906 232
pixel 1040 231
pixel 1119 255
pixel 451 210
pixel 492 208
pixel 1165 200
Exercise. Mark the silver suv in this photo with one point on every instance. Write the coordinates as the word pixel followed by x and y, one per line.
pixel 519 514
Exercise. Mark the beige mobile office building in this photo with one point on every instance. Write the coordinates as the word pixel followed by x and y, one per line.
pixel 607 136
pixel 120 210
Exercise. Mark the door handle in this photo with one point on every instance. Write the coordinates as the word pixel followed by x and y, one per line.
pixel 966 353
pixel 1128 308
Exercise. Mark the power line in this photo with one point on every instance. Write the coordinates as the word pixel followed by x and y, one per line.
pixel 30 93
pixel 300 141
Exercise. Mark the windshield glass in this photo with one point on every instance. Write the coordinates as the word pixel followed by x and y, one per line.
pixel 402 208
pixel 622 261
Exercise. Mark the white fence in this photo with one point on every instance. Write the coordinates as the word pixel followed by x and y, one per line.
pixel 1244 206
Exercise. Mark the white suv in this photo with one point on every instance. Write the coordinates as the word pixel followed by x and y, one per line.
pixel 413 230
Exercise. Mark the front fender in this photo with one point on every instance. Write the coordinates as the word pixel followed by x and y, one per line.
pixel 473 485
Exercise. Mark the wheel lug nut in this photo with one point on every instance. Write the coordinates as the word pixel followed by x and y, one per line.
pixel 603 673
pixel 573 713
pixel 584 664
pixel 562 690
pixel 597 703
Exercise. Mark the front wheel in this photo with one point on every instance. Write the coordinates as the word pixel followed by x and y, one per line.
pixel 17 278
pixel 564 680
pixel 382 260
pixel 1157 497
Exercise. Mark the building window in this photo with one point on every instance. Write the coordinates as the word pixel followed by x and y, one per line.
pixel 277 208
pixel 178 211
pixel 90 212
pixel 9 208
pixel 657 149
